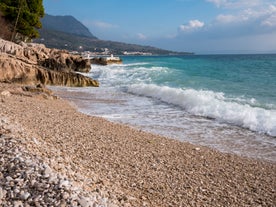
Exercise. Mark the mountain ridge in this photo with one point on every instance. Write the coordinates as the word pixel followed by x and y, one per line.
pixel 67 23
pixel 66 32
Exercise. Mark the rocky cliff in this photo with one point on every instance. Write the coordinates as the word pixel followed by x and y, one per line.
pixel 34 63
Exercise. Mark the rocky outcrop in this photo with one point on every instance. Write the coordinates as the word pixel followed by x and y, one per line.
pixel 18 71
pixel 54 59
pixel 64 61
pixel 106 60
pixel 34 63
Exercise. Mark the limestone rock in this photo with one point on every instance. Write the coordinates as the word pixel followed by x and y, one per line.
pixel 37 89
pixel 34 63
pixel 51 58
pixel 63 62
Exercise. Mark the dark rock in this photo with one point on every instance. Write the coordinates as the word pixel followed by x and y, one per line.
pixel 106 60
pixel 66 62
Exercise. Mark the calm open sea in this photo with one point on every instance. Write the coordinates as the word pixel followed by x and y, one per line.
pixel 227 102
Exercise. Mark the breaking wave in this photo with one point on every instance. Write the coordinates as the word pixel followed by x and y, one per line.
pixel 212 105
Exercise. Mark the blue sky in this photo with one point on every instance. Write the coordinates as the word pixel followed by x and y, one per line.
pixel 200 26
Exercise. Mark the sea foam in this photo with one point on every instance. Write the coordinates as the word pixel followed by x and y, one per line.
pixel 212 105
pixel 141 78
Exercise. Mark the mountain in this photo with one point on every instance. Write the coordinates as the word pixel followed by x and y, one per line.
pixel 66 32
pixel 67 24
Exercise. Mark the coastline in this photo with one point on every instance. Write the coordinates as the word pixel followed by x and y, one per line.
pixel 130 167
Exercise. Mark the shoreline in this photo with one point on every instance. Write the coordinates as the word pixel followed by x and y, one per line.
pixel 130 167
pixel 96 103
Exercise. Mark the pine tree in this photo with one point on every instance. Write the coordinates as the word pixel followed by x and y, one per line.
pixel 24 15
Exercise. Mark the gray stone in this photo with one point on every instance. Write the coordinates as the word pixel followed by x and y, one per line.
pixel 84 202
pixel 24 195
pixel 64 184
pixel 9 178
pixel 47 171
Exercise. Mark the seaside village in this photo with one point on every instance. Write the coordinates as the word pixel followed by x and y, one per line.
pixel 106 52
pixel 101 58
pixel 105 57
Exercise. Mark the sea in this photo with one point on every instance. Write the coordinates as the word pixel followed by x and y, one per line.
pixel 226 102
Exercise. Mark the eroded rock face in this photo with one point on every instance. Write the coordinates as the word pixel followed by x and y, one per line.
pixel 17 71
pixel 65 61
pixel 34 63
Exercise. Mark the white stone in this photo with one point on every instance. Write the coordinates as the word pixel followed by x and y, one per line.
pixel 24 195
pixel 64 184
pixel 18 204
pixel 2 193
pixel 8 178
pixel 84 202
pixel 65 195
pixel 47 171
pixel 5 93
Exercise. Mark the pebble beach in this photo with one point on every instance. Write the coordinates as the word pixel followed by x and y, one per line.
pixel 53 155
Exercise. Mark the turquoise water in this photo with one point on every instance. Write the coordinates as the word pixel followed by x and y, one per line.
pixel 227 102
pixel 249 77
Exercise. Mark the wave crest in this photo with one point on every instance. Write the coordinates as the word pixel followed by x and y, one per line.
pixel 213 105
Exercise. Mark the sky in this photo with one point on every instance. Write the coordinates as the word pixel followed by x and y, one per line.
pixel 200 26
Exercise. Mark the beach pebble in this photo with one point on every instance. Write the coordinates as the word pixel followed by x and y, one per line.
pixel 24 195
pixel 84 202
pixel 64 184
pixel 47 171
pixel 65 195
pixel 5 93
pixel 2 193
pixel 18 204
pixel 26 181
pixel 96 163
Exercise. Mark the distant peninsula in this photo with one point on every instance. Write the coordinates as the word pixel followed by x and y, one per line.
pixel 66 32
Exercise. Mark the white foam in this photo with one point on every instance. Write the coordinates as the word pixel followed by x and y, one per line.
pixel 124 75
pixel 134 64
pixel 213 105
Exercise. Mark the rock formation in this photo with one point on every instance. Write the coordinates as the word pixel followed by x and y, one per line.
pixel 106 60
pixel 34 63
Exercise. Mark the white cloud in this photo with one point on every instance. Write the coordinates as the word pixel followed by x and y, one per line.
pixel 141 36
pixel 241 26
pixel 240 23
pixel 100 24
pixel 270 21
pixel 103 25
pixel 243 16
pixel 226 18
pixel 218 3
pixel 192 25
pixel 235 4
pixel 253 17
